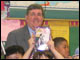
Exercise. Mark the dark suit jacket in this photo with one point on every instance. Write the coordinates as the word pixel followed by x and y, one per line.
pixel 19 37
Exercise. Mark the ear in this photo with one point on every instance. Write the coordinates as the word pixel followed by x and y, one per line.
pixel 26 17
pixel 56 48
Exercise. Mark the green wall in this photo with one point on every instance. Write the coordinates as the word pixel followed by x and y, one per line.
pixel 74 39
pixel 49 14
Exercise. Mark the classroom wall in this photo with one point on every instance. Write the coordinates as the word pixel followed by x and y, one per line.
pixel 68 30
pixel 56 18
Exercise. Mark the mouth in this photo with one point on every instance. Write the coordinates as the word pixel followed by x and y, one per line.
pixel 35 21
pixel 67 54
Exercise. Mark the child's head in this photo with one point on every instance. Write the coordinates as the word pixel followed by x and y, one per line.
pixel 43 55
pixel 61 46
pixel 14 52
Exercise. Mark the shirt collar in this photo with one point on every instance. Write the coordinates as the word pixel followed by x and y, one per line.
pixel 31 31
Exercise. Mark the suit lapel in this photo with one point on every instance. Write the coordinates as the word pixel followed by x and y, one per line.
pixel 26 35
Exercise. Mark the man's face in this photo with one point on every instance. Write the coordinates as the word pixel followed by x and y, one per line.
pixel 34 18
pixel 63 49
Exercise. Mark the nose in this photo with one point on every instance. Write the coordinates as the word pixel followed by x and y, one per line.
pixel 35 15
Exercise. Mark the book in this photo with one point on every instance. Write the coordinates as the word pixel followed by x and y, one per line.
pixel 42 37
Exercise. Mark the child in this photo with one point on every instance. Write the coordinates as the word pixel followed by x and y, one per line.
pixel 43 55
pixel 56 54
pixel 14 52
pixel 61 46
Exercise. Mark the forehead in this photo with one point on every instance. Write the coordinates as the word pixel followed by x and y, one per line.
pixel 12 55
pixel 15 55
pixel 35 11
pixel 63 43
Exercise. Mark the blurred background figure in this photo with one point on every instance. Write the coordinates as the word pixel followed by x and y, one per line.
pixel 76 55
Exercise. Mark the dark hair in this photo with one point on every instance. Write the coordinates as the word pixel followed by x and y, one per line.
pixel 58 40
pixel 14 49
pixel 38 54
pixel 35 6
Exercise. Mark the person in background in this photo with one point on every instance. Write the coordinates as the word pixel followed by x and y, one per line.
pixel 61 46
pixel 76 55
pixel 14 52
pixel 77 51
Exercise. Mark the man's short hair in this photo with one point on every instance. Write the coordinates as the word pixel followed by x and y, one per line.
pixel 14 49
pixel 35 6
pixel 58 40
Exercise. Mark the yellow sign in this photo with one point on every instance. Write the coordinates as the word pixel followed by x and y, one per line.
pixel 60 29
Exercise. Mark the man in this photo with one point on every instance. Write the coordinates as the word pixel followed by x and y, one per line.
pixel 34 18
